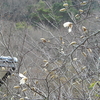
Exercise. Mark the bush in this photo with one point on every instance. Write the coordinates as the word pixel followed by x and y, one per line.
pixel 21 25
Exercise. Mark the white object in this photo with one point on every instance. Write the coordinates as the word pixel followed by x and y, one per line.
pixel 69 25
pixel 24 78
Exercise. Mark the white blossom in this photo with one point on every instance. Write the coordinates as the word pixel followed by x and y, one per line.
pixel 24 78
pixel 69 25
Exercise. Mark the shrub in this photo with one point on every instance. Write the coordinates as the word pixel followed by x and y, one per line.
pixel 20 25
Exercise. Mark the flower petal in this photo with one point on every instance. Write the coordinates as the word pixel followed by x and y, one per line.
pixel 21 75
pixel 23 80
pixel 70 29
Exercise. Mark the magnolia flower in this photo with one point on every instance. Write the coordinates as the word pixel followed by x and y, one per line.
pixel 65 4
pixel 25 89
pixel 72 43
pixel 27 98
pixel 43 39
pixel 12 98
pixel 63 42
pixel 63 9
pixel 83 67
pixel 83 3
pixel 84 54
pixel 21 75
pixel 80 10
pixel 77 15
pixel 90 50
pixel 45 70
pixel 24 78
pixel 36 81
pixel 77 82
pixel 45 60
pixel 16 87
pixel 69 25
pixel 84 28
pixel 33 88
pixel 34 93
pixel 24 72
pixel 82 36
pixel 21 99
pixel 46 64
pixel 74 59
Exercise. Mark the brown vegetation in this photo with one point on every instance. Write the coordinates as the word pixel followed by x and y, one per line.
pixel 56 64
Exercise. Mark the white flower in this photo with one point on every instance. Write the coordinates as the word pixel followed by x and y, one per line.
pixel 80 10
pixel 65 4
pixel 43 39
pixel 62 10
pixel 84 28
pixel 16 87
pixel 83 3
pixel 46 64
pixel 24 72
pixel 69 25
pixel 21 99
pixel 45 60
pixel 24 78
pixel 21 75
pixel 45 70
pixel 72 43
pixel 77 15
pixel 27 98
pixel 74 59
pixel 25 89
